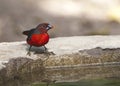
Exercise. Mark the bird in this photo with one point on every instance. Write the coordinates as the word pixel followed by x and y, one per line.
pixel 38 36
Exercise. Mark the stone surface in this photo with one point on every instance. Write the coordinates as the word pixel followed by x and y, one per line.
pixel 67 59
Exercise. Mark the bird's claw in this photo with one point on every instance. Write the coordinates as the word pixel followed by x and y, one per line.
pixel 29 53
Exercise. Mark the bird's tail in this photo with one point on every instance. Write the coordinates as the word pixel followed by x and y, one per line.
pixel 25 32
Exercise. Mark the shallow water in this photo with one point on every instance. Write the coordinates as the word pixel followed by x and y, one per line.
pixel 92 82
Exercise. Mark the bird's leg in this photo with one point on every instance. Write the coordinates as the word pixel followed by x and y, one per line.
pixel 46 50
pixel 29 51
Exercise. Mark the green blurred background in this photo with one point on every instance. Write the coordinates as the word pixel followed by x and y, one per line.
pixel 69 17
pixel 96 82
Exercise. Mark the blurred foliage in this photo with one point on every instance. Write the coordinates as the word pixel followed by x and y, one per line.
pixel 70 17
pixel 100 32
pixel 114 14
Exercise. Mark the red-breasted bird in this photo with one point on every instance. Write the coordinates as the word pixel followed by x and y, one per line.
pixel 38 36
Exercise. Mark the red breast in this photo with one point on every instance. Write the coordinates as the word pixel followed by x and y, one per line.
pixel 38 39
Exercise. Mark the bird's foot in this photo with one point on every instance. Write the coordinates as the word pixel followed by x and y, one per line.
pixel 49 53
pixel 46 51
pixel 28 53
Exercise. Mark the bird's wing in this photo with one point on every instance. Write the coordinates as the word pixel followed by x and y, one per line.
pixel 29 32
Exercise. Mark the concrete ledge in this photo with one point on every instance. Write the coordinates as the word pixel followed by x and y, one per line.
pixel 69 59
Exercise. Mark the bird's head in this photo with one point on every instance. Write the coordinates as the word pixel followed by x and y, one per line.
pixel 44 26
